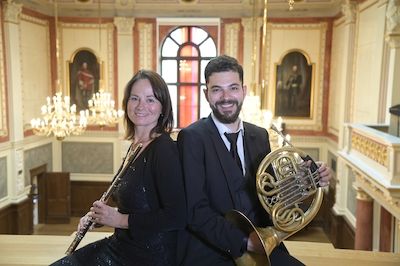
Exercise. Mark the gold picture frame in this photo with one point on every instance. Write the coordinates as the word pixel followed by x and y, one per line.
pixel 84 76
pixel 294 85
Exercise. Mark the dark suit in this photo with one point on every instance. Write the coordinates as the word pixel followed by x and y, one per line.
pixel 215 185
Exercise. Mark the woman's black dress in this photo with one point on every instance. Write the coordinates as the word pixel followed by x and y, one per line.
pixel 132 196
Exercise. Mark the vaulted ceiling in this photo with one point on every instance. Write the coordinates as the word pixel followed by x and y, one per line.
pixel 184 8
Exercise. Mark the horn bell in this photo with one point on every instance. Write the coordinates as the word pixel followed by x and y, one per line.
pixel 288 189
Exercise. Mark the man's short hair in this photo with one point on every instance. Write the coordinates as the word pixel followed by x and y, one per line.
pixel 223 63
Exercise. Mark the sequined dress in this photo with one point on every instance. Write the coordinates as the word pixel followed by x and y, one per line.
pixel 125 246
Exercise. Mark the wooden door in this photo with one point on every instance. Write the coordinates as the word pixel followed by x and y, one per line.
pixel 57 197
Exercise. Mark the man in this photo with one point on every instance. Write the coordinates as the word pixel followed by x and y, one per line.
pixel 293 84
pixel 85 85
pixel 216 183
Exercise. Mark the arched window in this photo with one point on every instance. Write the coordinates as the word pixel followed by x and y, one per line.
pixel 185 53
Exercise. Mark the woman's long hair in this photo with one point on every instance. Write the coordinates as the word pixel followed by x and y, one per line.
pixel 160 90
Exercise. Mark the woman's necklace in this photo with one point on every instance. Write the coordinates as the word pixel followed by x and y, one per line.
pixel 144 141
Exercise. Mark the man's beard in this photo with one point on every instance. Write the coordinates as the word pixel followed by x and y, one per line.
pixel 226 118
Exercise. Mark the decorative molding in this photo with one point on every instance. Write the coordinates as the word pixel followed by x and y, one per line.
pixel 145 45
pixel 302 124
pixel 393 17
pixel 3 100
pixel 34 20
pixel 110 56
pixel 12 12
pixel 124 25
pixel 393 39
pixel 393 24
pixel 361 194
pixel 379 194
pixel 370 148
pixel 349 10
pixel 109 50
pixel 232 39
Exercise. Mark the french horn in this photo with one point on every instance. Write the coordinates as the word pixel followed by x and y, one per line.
pixel 288 189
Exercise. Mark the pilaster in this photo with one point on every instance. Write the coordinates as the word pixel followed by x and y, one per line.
pixel 125 49
pixel 12 42
pixel 393 40
pixel 385 232
pixel 364 219
pixel 251 50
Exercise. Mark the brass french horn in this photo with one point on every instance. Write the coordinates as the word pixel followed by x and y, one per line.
pixel 291 196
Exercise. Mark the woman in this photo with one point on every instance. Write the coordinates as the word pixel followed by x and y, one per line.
pixel 150 197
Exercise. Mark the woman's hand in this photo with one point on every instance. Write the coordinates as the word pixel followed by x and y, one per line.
pixel 103 214
pixel 83 222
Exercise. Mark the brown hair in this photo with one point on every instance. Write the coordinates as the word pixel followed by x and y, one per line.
pixel 223 63
pixel 161 92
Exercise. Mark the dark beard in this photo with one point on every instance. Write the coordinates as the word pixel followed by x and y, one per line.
pixel 224 118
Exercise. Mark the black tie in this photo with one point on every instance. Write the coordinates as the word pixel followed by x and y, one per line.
pixel 232 137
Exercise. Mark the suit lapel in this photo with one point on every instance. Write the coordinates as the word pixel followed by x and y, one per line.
pixel 249 152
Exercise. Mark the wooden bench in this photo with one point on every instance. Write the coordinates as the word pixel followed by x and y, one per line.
pixel 43 250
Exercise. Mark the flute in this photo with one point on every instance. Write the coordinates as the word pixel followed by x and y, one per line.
pixel 129 159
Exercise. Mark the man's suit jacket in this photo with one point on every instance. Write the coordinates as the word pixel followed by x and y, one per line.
pixel 212 181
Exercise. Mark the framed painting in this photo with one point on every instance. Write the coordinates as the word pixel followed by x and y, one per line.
pixel 84 76
pixel 293 88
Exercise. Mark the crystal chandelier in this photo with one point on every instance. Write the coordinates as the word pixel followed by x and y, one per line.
pixel 59 118
pixel 102 110
pixel 101 106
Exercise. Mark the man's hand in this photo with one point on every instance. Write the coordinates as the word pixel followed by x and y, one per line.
pixel 325 174
pixel 254 244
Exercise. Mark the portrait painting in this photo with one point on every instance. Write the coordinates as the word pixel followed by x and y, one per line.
pixel 84 76
pixel 293 90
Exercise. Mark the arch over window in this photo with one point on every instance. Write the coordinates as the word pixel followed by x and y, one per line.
pixel 185 52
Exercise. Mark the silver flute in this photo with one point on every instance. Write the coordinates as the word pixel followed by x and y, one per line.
pixel 129 159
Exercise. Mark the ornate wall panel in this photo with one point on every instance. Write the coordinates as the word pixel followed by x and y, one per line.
pixel 310 39
pixel 36 157
pixel 145 43
pixel 89 157
pixel 231 34
pixel 36 85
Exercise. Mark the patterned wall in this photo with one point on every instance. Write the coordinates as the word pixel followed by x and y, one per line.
pixel 87 158
pixel 3 177
pixel 36 157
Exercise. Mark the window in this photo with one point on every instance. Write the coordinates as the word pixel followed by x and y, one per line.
pixel 185 53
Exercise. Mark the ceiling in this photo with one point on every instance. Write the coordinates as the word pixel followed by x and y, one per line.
pixel 183 8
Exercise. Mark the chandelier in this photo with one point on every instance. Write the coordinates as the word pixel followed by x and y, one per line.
pixel 59 118
pixel 101 106
pixel 253 109
pixel 102 110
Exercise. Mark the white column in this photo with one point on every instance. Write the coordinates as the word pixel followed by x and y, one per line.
pixel 12 43
pixel 125 48
pixel 125 53
pixel 393 39
pixel 251 50
pixel 349 10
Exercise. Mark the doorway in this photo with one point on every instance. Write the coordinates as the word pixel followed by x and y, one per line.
pixel 37 195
